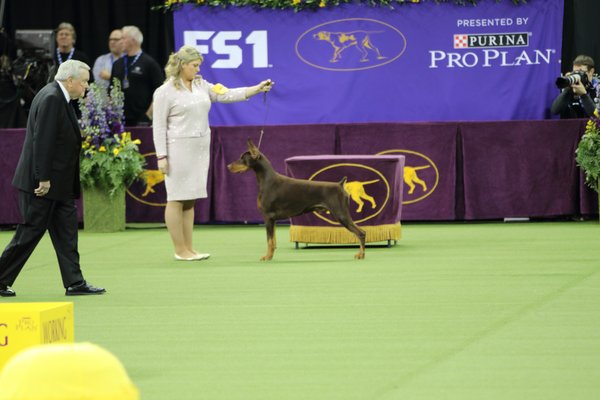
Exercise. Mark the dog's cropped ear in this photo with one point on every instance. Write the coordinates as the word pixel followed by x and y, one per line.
pixel 254 152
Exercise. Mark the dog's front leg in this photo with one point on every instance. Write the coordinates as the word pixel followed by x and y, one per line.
pixel 271 243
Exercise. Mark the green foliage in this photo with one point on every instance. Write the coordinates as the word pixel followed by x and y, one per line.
pixel 298 5
pixel 588 152
pixel 110 160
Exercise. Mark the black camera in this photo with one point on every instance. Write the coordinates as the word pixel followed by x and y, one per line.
pixel 571 79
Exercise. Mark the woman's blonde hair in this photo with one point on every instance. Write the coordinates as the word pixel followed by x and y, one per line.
pixel 186 54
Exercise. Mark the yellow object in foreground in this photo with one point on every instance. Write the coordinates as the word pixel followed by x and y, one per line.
pixel 24 325
pixel 69 371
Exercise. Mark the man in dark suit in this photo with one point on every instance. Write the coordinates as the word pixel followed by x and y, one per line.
pixel 47 177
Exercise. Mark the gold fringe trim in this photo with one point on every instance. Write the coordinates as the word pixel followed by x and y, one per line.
pixel 340 235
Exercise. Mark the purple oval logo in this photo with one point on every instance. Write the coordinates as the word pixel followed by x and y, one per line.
pixel 351 44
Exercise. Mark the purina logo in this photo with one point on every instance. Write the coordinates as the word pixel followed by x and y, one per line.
pixel 351 44
pixel 489 40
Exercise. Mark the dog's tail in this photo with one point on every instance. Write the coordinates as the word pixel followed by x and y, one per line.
pixel 342 184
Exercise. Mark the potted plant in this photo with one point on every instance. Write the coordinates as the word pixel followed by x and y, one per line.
pixel 588 153
pixel 110 159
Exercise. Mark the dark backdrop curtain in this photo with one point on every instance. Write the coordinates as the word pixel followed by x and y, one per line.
pixel 93 21
pixel 581 31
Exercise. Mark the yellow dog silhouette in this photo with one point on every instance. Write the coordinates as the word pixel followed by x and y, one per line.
pixel 153 177
pixel 411 177
pixel 356 191
pixel 340 41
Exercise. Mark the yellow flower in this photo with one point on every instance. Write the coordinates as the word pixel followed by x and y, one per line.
pixel 596 113
pixel 85 145
pixel 116 151
pixel 296 2
pixel 102 149
pixel 322 4
pixel 219 89
pixel 137 141
pixel 199 1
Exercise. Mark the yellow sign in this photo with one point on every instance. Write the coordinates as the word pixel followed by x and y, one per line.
pixel 24 325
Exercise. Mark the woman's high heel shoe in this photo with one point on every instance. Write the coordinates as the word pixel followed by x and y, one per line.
pixel 195 257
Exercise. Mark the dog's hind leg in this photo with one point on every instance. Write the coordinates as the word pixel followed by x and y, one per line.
pixel 343 216
pixel 271 242
pixel 360 234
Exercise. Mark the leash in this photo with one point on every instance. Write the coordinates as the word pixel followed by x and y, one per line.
pixel 262 130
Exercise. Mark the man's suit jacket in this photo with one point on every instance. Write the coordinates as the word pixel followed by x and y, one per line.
pixel 52 146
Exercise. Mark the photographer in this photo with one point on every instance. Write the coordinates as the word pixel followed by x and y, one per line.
pixel 579 96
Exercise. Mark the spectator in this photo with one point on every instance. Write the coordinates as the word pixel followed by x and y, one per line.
pixel 69 371
pixel 579 100
pixel 103 64
pixel 139 75
pixel 65 46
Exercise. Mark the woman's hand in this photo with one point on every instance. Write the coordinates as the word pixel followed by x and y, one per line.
pixel 265 86
pixel 163 166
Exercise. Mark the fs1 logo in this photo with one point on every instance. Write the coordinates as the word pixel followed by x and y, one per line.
pixel 229 45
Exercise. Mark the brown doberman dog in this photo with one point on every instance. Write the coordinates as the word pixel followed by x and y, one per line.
pixel 282 197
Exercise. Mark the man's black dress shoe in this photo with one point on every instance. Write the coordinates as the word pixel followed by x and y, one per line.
pixel 83 289
pixel 6 291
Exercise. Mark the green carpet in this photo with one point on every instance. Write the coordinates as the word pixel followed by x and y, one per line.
pixel 454 311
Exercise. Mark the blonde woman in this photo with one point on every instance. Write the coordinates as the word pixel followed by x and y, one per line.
pixel 182 140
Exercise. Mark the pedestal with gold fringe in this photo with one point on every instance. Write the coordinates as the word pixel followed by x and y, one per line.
pixel 340 235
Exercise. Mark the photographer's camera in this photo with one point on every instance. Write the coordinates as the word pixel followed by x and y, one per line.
pixel 571 79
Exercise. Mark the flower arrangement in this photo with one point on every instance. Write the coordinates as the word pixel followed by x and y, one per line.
pixel 588 152
pixel 298 5
pixel 110 160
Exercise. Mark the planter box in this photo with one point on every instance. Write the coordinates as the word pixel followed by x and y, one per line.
pixel 102 213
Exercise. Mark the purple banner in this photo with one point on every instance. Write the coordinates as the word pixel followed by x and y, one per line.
pixel 355 63
pixel 11 143
pixel 234 195
pixel 373 184
pixel 520 166
pixel 430 166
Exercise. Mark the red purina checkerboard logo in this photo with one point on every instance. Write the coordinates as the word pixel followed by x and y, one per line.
pixel 460 42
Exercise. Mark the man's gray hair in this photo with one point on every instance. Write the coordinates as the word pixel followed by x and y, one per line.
pixel 69 27
pixel 133 32
pixel 70 68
